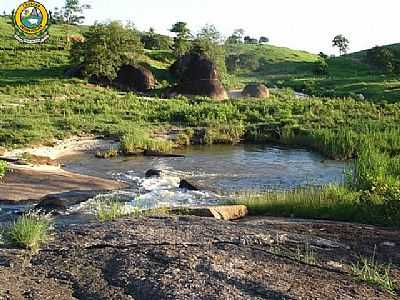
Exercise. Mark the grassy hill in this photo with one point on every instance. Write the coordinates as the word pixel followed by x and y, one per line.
pixel 349 75
pixel 37 71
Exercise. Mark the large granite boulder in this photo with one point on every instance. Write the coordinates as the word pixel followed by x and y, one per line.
pixel 197 75
pixel 256 91
pixel 136 78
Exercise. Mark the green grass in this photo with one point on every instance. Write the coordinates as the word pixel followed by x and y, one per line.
pixel 306 255
pixel 370 271
pixel 138 140
pixel 29 232
pixel 113 209
pixel 328 203
pixel 110 153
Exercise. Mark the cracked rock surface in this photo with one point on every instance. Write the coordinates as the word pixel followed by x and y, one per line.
pixel 191 258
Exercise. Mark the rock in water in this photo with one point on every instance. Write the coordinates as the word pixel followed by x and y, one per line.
pixel 65 200
pixel 136 78
pixel 256 91
pixel 184 184
pixel 153 173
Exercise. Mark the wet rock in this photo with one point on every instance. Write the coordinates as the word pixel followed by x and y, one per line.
pixel 65 200
pixel 153 173
pixel 184 184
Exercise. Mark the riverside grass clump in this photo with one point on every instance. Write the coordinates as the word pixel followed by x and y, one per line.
pixel 113 209
pixel 372 272
pixel 3 168
pixel 137 141
pixel 29 231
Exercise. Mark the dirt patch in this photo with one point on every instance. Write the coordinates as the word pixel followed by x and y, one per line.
pixel 184 258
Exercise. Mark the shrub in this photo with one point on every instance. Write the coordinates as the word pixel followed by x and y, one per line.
pixel 321 67
pixel 29 231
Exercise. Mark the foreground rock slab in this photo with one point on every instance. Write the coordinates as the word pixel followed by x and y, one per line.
pixel 31 185
pixel 184 258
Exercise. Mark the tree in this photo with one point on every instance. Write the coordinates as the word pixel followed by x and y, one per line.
pixel 382 58
pixel 323 55
pixel 208 42
pixel 236 37
pixel 71 13
pixel 264 40
pixel 342 43
pixel 105 49
pixel 250 40
pixel 154 41
pixel 182 40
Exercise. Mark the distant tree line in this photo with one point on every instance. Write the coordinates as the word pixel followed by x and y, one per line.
pixel 238 37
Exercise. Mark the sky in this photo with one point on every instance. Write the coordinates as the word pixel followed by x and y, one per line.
pixel 299 24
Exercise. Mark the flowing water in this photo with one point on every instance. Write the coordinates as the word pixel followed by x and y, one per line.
pixel 219 171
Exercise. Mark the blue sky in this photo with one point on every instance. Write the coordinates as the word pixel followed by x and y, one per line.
pixel 301 24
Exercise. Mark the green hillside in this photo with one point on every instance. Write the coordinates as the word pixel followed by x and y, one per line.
pixel 32 70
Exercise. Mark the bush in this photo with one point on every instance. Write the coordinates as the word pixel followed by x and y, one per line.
pixel 105 49
pixel 153 41
pixel 321 67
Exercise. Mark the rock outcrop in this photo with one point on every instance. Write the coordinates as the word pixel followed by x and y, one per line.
pixel 197 75
pixel 135 78
pixel 256 91
pixel 194 258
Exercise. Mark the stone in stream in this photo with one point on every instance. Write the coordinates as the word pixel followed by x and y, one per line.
pixel 184 184
pixel 153 173
pixel 65 200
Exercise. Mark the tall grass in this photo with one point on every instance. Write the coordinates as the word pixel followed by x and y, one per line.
pixel 29 231
pixel 113 209
pixel 329 202
pixel 370 271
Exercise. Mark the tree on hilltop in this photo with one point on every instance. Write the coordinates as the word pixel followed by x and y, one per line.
pixel 341 42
